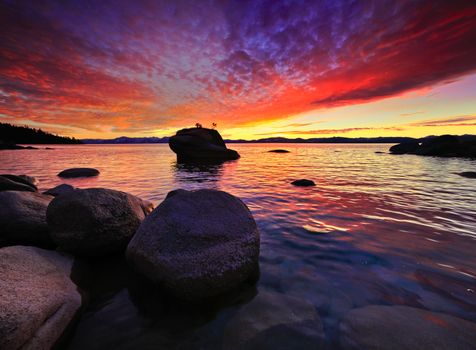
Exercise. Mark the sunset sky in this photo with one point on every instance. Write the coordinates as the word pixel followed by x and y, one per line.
pixel 258 69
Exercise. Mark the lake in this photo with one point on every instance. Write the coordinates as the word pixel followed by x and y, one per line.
pixel 376 229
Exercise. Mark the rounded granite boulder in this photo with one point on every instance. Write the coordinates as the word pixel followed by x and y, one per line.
pixel 303 183
pixel 94 221
pixel 23 218
pixel 197 244
pixel 378 327
pixel 60 189
pixel 38 300
pixel 79 172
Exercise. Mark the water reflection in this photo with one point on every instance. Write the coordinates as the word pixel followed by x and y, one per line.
pixel 197 172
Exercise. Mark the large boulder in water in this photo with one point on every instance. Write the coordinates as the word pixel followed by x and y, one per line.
pixel 439 146
pixel 94 221
pixel 23 218
pixel 405 328
pixel 200 144
pixel 275 321
pixel 197 244
pixel 9 182
pixel 38 300
pixel 79 172
pixel 405 147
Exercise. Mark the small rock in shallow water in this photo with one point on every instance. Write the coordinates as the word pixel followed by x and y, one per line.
pixel 23 218
pixel 94 221
pixel 38 300
pixel 378 327
pixel 60 189
pixel 468 174
pixel 303 183
pixel 279 151
pixel 197 244
pixel 275 321
pixel 9 182
pixel 79 172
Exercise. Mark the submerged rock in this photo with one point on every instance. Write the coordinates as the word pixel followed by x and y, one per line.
pixel 94 221
pixel 197 244
pixel 402 327
pixel 200 144
pixel 9 182
pixel 38 300
pixel 79 172
pixel 60 189
pixel 303 183
pixel 279 151
pixel 23 218
pixel 274 321
pixel 468 174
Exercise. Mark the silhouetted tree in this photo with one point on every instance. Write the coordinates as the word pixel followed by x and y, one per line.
pixel 214 125
pixel 198 125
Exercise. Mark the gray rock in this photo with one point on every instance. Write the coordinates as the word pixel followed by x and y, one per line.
pixel 60 189
pixel 468 174
pixel 79 172
pixel 10 182
pixel 147 206
pixel 38 300
pixel 303 183
pixel 23 218
pixel 402 327
pixel 200 144
pixel 279 151
pixel 197 244
pixel 31 179
pixel 274 321
pixel 94 221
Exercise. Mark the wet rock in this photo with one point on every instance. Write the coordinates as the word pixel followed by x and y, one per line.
pixel 60 189
pixel 440 146
pixel 275 321
pixel 23 218
pixel 303 183
pixel 200 144
pixel 38 300
pixel 402 327
pixel 379 152
pixel 79 172
pixel 94 221
pixel 15 183
pixel 197 244
pixel 147 206
pixel 405 147
pixel 279 151
pixel 468 174
pixel 11 146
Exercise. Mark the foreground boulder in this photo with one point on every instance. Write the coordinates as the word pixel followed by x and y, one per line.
pixel 23 218
pixel 405 328
pixel 440 146
pixel 303 183
pixel 200 144
pixel 197 244
pixel 60 189
pixel 94 221
pixel 38 300
pixel 9 182
pixel 274 321
pixel 79 172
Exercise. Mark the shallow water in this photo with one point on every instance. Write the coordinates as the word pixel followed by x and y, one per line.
pixel 376 229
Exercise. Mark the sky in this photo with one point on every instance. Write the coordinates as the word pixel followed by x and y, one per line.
pixel 103 69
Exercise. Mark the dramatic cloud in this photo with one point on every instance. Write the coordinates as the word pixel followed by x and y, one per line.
pixel 123 66
pixel 468 120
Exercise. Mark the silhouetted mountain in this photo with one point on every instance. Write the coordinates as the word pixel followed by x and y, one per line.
pixel 13 134
pixel 125 139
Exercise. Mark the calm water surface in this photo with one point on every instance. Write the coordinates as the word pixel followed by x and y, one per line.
pixel 377 229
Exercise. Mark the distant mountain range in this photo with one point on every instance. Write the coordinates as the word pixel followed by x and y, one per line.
pixel 127 140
